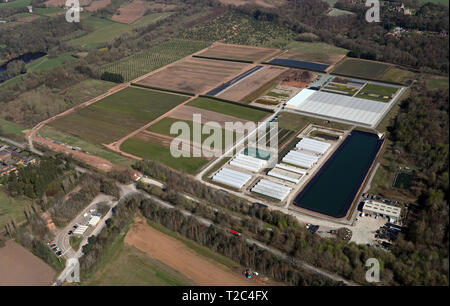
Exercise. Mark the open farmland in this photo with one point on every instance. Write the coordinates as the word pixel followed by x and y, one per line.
pixel 11 208
pixel 131 12
pixel 251 83
pixel 313 52
pixel 235 28
pixel 111 30
pixel 361 68
pixel 125 265
pixel 194 75
pixel 397 75
pixel 17 3
pixel 97 4
pixel 236 52
pixel 377 92
pixel 117 115
pixel 238 111
pixel 151 59
pixel 203 270
pixel 151 151
pixel 19 267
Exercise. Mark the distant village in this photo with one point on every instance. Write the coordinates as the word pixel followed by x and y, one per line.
pixel 12 157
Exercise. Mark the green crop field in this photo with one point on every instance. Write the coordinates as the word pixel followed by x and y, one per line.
pixel 437 83
pixel 117 115
pixel 242 112
pixel 240 29
pixel 377 92
pixel 361 68
pixel 11 130
pixel 294 122
pixel 11 208
pixel 162 154
pixel 106 30
pixel 163 127
pixel 46 63
pixel 397 75
pixel 17 3
pixel 143 62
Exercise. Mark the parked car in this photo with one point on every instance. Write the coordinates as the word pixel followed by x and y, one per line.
pixel 70 233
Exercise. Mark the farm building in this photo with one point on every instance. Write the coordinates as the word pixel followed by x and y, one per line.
pixel 382 209
pixel 313 145
pixel 300 159
pixel 271 189
pixel 348 109
pixel 248 162
pixel 291 168
pixel 231 178
pixel 285 175
pixel 80 230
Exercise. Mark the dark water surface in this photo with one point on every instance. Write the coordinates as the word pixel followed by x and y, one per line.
pixel 332 190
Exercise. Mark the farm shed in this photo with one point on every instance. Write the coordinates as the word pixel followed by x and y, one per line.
pixel 271 189
pixel 231 178
pixel 248 162
pixel 300 159
pixel 313 145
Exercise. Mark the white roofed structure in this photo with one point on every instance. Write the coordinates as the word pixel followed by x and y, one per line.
pixel 248 162
pixel 316 146
pixel 300 159
pixel 232 178
pixel 285 175
pixel 271 189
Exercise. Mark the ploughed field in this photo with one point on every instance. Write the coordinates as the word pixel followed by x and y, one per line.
pixel 194 75
pixel 237 52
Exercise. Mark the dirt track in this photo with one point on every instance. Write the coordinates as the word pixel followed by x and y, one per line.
pixel 203 271
pixel 18 267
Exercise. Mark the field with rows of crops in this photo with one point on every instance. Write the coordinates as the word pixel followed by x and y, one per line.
pixel 141 63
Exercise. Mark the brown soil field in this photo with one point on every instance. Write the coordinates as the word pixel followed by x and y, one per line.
pixel 251 83
pixel 194 75
pixel 62 3
pixel 170 251
pixel 298 78
pixel 161 7
pixel 244 2
pixel 130 13
pixel 329 59
pixel 237 52
pixel 185 113
pixel 19 267
pixel 97 4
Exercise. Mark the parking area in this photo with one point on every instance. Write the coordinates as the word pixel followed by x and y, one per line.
pixel 364 229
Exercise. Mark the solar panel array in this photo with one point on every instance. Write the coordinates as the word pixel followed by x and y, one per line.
pixel 231 178
pixel 313 145
pixel 271 189
pixel 300 159
pixel 248 162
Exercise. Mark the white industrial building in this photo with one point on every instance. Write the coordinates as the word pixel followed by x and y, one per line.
pixel 316 146
pixel 382 209
pixel 231 178
pixel 81 229
pixel 271 189
pixel 300 159
pixel 94 220
pixel 248 162
pixel 335 106
pixel 285 175
pixel 291 168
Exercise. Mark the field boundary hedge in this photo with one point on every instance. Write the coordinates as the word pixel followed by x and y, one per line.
pixel 163 89
pixel 237 103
